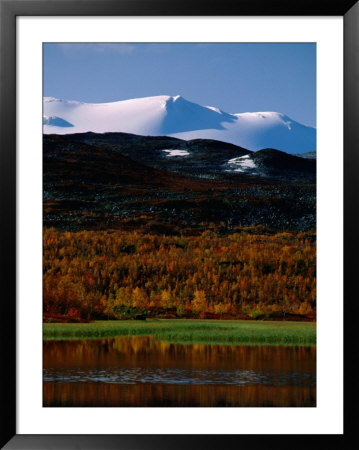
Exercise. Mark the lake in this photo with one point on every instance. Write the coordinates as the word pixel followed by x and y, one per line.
pixel 142 371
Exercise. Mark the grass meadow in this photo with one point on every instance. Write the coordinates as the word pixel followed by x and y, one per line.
pixel 191 331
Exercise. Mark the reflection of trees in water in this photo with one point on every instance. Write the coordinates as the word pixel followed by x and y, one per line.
pixel 114 354
pixel 96 394
pixel 149 352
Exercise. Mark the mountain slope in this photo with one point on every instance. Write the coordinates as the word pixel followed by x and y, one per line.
pixel 96 187
pixel 174 116
pixel 199 157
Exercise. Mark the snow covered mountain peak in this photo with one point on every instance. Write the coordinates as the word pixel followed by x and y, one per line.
pixel 175 116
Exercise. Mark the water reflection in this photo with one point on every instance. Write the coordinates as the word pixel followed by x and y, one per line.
pixel 141 371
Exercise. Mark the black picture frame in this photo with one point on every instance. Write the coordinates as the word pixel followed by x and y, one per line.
pixel 9 10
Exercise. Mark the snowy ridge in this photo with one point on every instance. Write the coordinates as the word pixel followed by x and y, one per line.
pixel 175 116
pixel 55 121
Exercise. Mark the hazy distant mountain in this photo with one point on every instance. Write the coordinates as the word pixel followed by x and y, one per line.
pixel 177 117
pixel 308 155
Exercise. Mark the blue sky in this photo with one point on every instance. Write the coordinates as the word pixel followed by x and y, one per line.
pixel 233 77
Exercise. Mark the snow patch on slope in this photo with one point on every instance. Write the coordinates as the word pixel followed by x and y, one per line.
pixel 243 161
pixel 241 164
pixel 176 152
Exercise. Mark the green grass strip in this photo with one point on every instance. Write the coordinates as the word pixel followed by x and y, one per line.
pixel 191 331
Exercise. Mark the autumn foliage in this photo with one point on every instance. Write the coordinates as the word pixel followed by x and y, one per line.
pixel 116 274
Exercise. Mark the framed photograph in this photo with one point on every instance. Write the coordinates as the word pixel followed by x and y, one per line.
pixel 173 180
